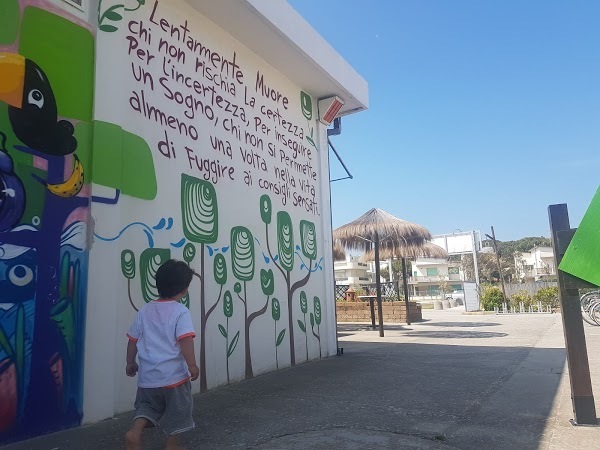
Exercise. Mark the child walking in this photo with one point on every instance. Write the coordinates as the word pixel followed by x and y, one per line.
pixel 161 336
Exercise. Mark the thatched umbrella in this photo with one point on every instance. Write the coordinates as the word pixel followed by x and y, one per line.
pixel 377 229
pixel 425 250
pixel 339 254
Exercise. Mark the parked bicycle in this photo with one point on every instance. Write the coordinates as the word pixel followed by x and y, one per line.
pixel 590 307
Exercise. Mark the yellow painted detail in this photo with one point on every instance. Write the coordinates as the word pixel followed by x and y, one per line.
pixel 12 78
pixel 73 185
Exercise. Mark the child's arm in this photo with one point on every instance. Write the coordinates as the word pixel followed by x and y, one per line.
pixel 187 349
pixel 132 368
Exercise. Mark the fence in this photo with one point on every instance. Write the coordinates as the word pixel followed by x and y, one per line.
pixel 340 292
pixel 390 291
pixel 530 287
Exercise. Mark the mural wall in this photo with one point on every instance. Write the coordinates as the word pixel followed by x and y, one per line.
pixel 45 147
pixel 236 154
pixel 148 134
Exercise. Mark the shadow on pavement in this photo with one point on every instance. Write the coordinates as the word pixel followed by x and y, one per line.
pixel 455 334
pixel 467 397
pixel 462 324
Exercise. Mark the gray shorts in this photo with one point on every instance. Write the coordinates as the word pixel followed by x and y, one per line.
pixel 168 408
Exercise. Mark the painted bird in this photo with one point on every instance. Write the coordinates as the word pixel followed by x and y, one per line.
pixel 32 107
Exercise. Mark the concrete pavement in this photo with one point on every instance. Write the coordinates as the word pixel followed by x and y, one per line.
pixel 451 381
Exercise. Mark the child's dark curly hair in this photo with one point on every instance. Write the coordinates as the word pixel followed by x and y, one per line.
pixel 173 277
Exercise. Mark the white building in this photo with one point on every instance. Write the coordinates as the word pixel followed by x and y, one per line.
pixel 432 277
pixel 351 271
pixel 537 264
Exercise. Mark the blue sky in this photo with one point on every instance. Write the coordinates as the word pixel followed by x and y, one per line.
pixel 481 112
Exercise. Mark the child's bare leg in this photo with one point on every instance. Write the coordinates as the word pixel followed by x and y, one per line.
pixel 133 438
pixel 173 443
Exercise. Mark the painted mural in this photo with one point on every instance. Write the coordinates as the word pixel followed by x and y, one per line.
pixel 44 199
pixel 236 155
pixel 147 135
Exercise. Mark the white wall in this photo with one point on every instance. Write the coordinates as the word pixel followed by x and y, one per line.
pixel 238 190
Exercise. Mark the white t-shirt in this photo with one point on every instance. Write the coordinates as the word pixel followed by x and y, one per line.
pixel 157 330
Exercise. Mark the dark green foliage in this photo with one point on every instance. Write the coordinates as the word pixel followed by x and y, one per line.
pixel 548 296
pixel 491 297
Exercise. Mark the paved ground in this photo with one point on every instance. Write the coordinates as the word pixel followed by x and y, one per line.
pixel 451 381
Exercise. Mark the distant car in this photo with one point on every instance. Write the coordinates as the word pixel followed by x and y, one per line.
pixel 457 295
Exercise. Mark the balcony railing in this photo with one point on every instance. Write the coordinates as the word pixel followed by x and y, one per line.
pixel 436 278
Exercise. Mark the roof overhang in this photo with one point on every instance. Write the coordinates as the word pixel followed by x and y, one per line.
pixel 278 34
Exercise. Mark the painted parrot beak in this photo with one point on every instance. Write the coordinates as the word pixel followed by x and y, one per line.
pixel 12 78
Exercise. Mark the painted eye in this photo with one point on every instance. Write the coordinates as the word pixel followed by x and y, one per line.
pixel 20 275
pixel 36 98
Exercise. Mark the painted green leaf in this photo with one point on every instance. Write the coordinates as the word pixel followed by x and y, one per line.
pixel 267 281
pixel 185 301
pixel 113 15
pixel 65 267
pixel 285 240
pixel 9 21
pixel 280 337
pixel 108 28
pixel 227 304
pixel 306 104
pixel 20 338
pixel 275 309
pixel 265 209
pixel 223 331
pixel 308 239
pixel 317 308
pixel 312 320
pixel 303 302
pixel 242 253
pixel 150 260
pixel 121 160
pixel 301 325
pixel 128 264
pixel 237 288
pixel 199 210
pixel 142 2
pixel 63 316
pixel 5 343
pixel 189 252
pixel 220 269
pixel 233 344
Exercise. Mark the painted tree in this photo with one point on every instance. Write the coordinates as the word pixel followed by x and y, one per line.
pixel 284 260
pixel 315 318
pixel 302 324
pixel 243 262
pixel 199 211
pixel 276 314
pixel 224 330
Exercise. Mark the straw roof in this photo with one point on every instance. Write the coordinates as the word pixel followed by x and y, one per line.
pixel 425 250
pixel 393 232
pixel 339 254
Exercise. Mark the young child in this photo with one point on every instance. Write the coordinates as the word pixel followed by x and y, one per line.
pixel 162 338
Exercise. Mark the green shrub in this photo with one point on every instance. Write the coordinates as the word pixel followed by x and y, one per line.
pixel 548 296
pixel 491 297
pixel 521 296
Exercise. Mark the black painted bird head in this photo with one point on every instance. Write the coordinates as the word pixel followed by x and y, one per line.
pixel 32 107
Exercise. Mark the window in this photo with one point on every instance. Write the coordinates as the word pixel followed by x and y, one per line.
pixel 432 271
pixel 452 270
pixel 76 3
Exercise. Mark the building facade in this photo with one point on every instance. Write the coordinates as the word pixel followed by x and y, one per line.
pixel 136 131
pixel 537 264
pixel 352 271
pixel 432 278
